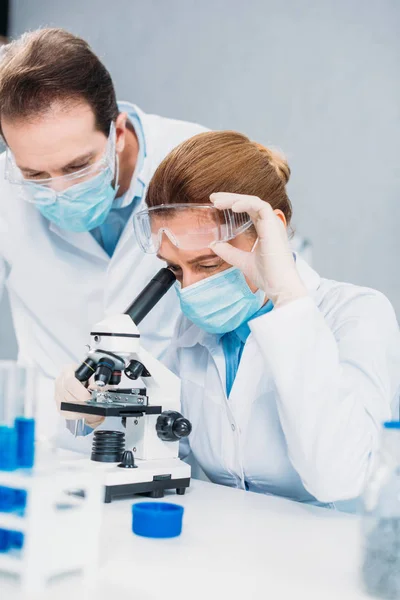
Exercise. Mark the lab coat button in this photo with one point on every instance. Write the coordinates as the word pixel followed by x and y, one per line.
pixel 233 427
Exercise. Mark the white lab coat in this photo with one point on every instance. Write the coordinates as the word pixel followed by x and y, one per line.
pixel 61 283
pixel 316 379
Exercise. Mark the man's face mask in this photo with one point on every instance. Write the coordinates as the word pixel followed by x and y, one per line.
pixel 78 202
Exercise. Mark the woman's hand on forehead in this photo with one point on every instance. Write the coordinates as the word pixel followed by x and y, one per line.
pixel 271 266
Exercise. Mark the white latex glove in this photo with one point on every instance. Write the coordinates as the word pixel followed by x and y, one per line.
pixel 69 389
pixel 271 266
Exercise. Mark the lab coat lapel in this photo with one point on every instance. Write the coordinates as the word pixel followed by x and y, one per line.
pixel 84 242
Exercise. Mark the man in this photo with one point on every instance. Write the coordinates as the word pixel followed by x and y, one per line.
pixel 77 166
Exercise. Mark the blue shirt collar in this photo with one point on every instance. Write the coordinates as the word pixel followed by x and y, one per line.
pixel 243 331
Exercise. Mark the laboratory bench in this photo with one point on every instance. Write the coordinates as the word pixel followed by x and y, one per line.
pixel 234 544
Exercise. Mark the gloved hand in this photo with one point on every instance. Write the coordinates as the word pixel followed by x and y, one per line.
pixel 69 389
pixel 271 266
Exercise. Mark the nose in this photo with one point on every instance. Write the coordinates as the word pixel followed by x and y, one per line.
pixel 189 277
pixel 58 185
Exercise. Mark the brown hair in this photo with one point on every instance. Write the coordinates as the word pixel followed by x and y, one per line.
pixel 221 161
pixel 52 65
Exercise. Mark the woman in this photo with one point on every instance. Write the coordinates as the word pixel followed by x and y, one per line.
pixel 286 376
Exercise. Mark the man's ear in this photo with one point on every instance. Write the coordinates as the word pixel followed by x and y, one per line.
pixel 120 131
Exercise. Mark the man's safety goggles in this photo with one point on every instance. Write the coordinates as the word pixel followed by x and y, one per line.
pixel 187 226
pixel 47 191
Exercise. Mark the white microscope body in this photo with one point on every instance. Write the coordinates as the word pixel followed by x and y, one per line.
pixel 146 461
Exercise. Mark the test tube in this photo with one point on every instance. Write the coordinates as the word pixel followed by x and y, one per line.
pixel 25 414
pixel 18 389
pixel 8 436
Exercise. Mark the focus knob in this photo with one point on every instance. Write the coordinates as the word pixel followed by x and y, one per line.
pixel 172 426
pixel 128 460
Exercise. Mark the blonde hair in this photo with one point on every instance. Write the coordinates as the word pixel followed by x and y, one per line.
pixel 221 161
pixel 277 160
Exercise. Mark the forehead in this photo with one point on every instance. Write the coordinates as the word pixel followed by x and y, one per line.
pixel 193 230
pixel 186 219
pixel 54 138
pixel 171 253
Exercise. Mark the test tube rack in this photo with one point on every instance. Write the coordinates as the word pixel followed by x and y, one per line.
pixel 60 525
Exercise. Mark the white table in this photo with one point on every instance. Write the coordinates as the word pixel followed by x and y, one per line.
pixel 234 544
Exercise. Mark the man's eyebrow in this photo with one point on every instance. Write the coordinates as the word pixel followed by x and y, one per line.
pixel 78 160
pixel 194 260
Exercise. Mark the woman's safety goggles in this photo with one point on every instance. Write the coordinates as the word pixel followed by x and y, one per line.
pixel 48 191
pixel 187 226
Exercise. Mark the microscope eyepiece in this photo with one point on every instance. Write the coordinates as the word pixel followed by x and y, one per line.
pixel 150 295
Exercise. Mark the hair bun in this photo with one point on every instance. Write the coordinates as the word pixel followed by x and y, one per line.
pixel 277 160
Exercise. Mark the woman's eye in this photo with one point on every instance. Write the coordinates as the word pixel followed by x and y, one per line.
pixel 209 267
pixel 174 268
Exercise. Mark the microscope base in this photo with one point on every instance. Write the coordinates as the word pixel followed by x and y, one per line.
pixel 150 477
pixel 153 489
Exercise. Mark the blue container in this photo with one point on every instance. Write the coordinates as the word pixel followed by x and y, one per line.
pixel 12 500
pixel 25 429
pixel 157 519
pixel 7 499
pixel 8 448
pixel 16 539
pixel 20 497
pixel 391 425
pixel 5 540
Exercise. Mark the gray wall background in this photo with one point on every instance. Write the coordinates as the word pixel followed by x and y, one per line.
pixel 318 78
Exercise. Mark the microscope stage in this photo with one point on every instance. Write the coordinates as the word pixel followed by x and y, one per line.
pixel 111 409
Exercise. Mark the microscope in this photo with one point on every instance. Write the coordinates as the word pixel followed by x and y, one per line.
pixel 142 459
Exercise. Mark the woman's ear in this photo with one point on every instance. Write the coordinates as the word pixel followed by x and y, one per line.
pixel 281 216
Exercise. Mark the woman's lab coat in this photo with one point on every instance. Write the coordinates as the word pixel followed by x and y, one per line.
pixel 316 379
pixel 60 283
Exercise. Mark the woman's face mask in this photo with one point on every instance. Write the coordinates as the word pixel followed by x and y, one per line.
pixel 220 303
pixel 212 295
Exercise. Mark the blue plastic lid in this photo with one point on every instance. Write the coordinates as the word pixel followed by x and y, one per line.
pixel 392 425
pixel 157 519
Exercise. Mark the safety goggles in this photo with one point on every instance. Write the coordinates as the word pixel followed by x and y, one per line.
pixel 187 226
pixel 48 191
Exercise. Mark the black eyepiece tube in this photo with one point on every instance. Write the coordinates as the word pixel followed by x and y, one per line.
pixel 150 295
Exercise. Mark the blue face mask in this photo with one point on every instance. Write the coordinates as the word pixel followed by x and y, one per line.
pixel 220 303
pixel 83 206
